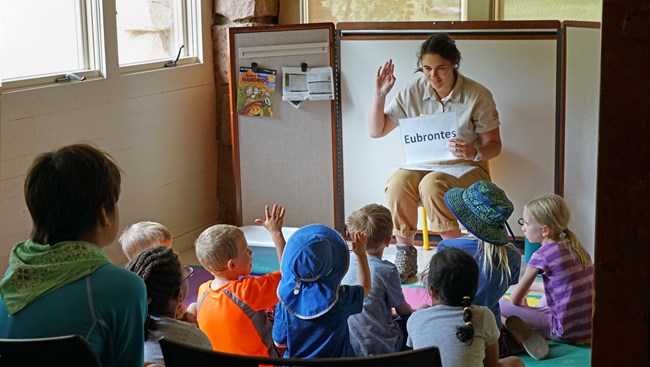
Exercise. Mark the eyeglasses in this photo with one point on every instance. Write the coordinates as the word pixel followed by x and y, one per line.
pixel 189 271
pixel 520 221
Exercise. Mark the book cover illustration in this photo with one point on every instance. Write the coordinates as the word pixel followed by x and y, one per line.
pixel 255 92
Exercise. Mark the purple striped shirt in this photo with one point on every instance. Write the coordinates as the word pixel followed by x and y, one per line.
pixel 568 289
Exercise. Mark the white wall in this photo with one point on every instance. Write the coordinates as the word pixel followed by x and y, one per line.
pixel 581 130
pixel 159 126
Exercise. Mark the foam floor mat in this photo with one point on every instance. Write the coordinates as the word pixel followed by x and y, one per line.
pixel 560 354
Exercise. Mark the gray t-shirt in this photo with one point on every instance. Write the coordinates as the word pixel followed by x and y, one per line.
pixel 373 331
pixel 175 330
pixel 437 326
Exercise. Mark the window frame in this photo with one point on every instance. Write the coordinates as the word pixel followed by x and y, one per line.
pixel 96 54
pixel 190 18
pixel 91 40
pixel 303 9
pixel 500 9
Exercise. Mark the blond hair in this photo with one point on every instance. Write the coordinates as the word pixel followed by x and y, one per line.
pixel 490 253
pixel 375 221
pixel 216 245
pixel 141 236
pixel 553 212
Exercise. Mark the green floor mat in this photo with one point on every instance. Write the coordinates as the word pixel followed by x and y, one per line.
pixel 561 354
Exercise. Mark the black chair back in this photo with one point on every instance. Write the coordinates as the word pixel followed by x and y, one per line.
pixel 180 355
pixel 60 351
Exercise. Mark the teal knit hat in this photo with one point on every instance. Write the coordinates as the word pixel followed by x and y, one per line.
pixel 483 208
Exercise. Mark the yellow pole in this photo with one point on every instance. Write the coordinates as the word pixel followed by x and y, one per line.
pixel 425 230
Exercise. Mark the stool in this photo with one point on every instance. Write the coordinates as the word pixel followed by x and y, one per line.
pixel 425 229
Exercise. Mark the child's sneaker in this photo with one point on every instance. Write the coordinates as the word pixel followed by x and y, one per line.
pixel 532 341
pixel 406 261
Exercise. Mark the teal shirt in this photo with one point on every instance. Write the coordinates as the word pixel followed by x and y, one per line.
pixel 107 308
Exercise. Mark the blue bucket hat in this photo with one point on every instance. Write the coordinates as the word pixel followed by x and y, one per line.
pixel 483 208
pixel 314 262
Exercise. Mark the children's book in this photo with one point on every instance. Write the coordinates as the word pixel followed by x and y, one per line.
pixel 255 92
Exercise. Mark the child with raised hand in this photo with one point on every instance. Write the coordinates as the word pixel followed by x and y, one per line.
pixel 143 235
pixel 164 275
pixel 564 312
pixel 311 317
pixel 374 331
pixel 483 209
pixel 231 307
pixel 466 334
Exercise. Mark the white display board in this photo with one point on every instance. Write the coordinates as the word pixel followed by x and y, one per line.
pixel 520 71
pixel 582 91
pixel 289 158
pixel 322 170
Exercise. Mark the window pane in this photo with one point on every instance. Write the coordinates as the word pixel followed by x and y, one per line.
pixel 149 30
pixel 382 10
pixel 42 37
pixel 585 10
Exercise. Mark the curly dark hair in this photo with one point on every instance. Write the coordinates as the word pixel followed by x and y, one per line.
pixel 160 269
pixel 453 275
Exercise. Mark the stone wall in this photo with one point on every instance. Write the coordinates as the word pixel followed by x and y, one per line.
pixel 231 13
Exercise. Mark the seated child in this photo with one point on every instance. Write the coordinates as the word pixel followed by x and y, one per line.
pixel 143 235
pixel 163 275
pixel 564 313
pixel 59 281
pixel 231 307
pixel 483 209
pixel 466 334
pixel 374 331
pixel 311 317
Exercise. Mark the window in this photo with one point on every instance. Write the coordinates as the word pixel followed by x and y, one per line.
pixel 42 38
pixel 583 10
pixel 313 11
pixel 43 41
pixel 157 30
pixel 381 10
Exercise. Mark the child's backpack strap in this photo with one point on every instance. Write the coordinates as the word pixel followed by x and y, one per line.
pixel 200 300
pixel 260 322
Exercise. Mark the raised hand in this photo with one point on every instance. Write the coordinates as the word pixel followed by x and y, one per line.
pixel 359 242
pixel 274 218
pixel 385 79
pixel 273 224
